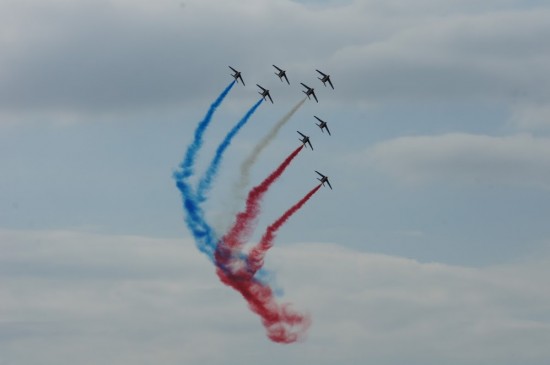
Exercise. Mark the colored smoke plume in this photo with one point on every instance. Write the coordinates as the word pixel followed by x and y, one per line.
pixel 244 222
pixel 206 181
pixel 205 237
pixel 191 154
pixel 251 159
pixel 282 323
pixel 257 253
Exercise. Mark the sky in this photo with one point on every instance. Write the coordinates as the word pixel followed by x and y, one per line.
pixel 432 248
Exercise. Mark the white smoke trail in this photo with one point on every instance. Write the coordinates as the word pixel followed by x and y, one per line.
pixel 247 164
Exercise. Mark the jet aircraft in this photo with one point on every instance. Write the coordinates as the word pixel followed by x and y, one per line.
pixel 310 91
pixel 323 179
pixel 237 75
pixel 325 78
pixel 322 124
pixel 305 139
pixel 281 74
pixel 264 93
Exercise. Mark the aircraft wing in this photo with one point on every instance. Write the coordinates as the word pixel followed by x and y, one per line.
pixel 330 82
pixel 326 127
pixel 315 97
pixel 286 79
pixel 260 87
pixel 307 87
pixel 300 133
pixel 330 186
pixel 277 68
pixel 309 142
pixel 233 69
pixel 321 73
pixel 269 96
pixel 319 173
pixel 240 77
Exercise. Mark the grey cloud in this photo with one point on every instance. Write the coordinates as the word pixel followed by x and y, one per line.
pixel 494 56
pixel 531 116
pixel 114 55
pixel 431 312
pixel 97 57
pixel 364 306
pixel 521 160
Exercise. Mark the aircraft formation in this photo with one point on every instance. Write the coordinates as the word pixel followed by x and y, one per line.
pixel 238 265
pixel 310 92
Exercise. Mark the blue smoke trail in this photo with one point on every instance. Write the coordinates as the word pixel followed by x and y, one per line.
pixel 205 182
pixel 204 235
pixel 191 154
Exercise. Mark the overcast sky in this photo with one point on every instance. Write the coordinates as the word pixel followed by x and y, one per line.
pixel 432 248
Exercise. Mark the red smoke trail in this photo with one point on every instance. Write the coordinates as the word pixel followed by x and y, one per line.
pixel 257 253
pixel 242 228
pixel 283 325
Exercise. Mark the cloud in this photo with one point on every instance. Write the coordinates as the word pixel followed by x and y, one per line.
pixel 490 56
pixel 531 116
pixel 118 55
pixel 521 159
pixel 113 299
pixel 435 308
pixel 99 57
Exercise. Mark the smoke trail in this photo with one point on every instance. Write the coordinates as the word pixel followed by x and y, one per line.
pixel 244 222
pixel 257 253
pixel 206 181
pixel 205 237
pixel 247 164
pixel 191 154
pixel 283 325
